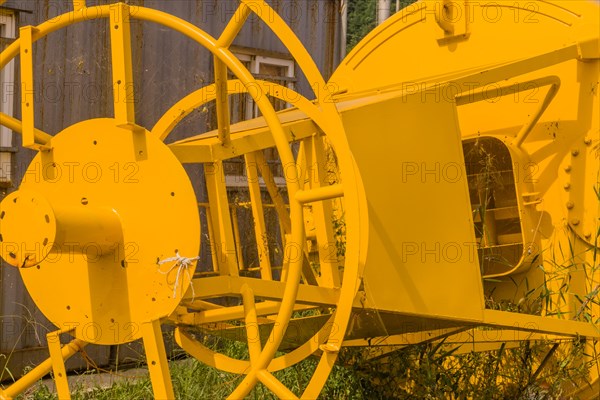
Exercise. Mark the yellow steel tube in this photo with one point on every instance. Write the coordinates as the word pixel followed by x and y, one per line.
pixel 320 193
pixel 251 320
pixel 189 103
pixel 17 126
pixel 275 385
pixel 295 47
pixel 260 229
pixel 535 117
pixel 222 101
pixel 222 104
pixel 234 366
pixel 41 370
pixel 156 357
pixel 27 88
pixel 211 233
pixel 269 179
pixel 236 23
pixel 230 313
pixel 552 81
pixel 237 238
pixel 224 240
pixel 58 366
pixel 122 70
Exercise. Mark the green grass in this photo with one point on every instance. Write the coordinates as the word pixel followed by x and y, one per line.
pixel 193 380
pixel 429 371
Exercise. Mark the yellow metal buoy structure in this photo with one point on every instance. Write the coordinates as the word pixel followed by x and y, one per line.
pixel 459 147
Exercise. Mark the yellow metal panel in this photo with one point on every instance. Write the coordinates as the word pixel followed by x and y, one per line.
pixel 422 252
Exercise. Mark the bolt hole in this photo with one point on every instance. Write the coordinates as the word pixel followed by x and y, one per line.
pixel 68 307
pixel 2 214
pixel 38 267
pixel 1 238
pixel 26 51
pixel 173 194
pixel 15 200
pixel 116 26
pixel 60 374
pixel 45 242
pixel 119 82
pixel 95 142
pixel 84 201
pixel 47 218
pixel 153 362
pixel 123 263
pixel 112 320
pixel 141 152
pixel 447 12
pixel 26 104
pixel 153 299
pixel 12 255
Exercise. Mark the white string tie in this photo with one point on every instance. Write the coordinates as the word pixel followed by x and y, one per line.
pixel 182 264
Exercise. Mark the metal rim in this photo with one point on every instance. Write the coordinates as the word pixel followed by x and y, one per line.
pixel 352 194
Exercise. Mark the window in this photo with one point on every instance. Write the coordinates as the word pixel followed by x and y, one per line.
pixel 7 79
pixel 494 204
pixel 271 67
pixel 277 69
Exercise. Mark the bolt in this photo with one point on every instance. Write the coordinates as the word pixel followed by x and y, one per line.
pixel 570 205
pixel 575 221
pixel 567 186
pixel 568 168
pixel 588 235
pixel 587 141
pixel 575 152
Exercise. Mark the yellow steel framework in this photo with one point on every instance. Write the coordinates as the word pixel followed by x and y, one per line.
pixel 447 185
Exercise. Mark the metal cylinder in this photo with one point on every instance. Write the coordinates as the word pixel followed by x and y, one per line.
pixel 31 229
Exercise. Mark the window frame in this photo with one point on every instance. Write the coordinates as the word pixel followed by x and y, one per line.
pixel 255 61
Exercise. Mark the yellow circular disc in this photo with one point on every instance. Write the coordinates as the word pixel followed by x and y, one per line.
pixel 22 246
pixel 96 165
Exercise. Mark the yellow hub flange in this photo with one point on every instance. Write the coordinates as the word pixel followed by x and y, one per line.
pixel 94 214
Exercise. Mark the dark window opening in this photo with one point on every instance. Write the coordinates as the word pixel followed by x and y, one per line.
pixel 494 205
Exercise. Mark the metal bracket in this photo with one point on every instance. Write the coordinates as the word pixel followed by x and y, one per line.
pixel 453 17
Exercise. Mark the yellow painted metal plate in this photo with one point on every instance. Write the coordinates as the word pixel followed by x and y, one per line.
pixel 376 61
pixel 106 298
pixel 422 255
pixel 20 245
